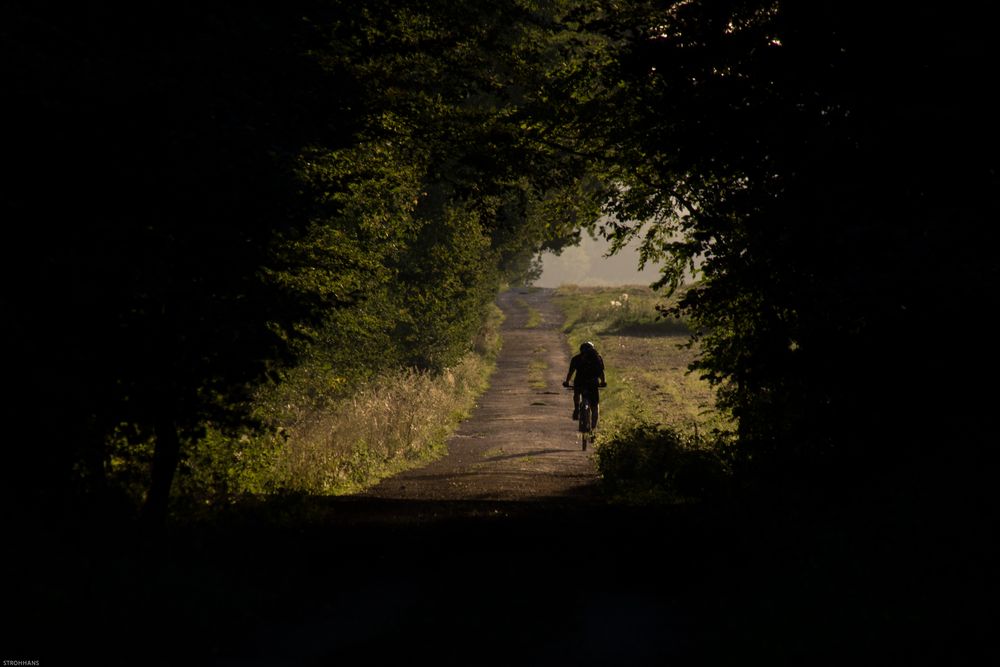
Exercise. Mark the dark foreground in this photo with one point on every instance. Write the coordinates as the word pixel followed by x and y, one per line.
pixel 367 582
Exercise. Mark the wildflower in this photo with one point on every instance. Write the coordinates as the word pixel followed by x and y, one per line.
pixel 625 296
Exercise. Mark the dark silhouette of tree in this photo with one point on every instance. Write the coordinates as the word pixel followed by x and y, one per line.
pixel 831 166
pixel 153 183
pixel 202 195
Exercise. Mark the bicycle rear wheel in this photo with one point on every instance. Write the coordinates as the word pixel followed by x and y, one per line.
pixel 584 424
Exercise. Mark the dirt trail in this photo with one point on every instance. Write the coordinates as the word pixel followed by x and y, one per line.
pixel 519 443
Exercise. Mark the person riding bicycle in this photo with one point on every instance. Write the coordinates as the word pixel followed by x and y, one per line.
pixel 589 369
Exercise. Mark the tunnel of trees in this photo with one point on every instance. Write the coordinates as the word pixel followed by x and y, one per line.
pixel 196 197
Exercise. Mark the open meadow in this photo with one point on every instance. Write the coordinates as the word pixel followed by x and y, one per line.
pixel 647 356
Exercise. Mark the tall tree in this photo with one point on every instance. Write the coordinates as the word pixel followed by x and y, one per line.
pixel 155 185
pixel 829 168
pixel 204 193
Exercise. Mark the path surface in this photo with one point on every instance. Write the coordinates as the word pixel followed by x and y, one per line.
pixel 520 442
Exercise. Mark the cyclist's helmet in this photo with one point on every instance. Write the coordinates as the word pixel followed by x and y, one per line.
pixel 587 347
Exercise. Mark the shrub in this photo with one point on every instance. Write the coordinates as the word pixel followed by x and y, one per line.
pixel 643 460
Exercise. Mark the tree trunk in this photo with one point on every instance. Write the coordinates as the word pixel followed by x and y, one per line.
pixel 165 458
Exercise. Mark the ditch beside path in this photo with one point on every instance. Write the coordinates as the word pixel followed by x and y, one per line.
pixel 520 442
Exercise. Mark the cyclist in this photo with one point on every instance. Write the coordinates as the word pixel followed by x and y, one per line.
pixel 589 369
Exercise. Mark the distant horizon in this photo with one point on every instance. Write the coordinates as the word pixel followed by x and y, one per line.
pixel 585 265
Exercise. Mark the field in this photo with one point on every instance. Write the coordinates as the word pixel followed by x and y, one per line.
pixel 646 356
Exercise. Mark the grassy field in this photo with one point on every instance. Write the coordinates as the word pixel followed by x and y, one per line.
pixel 660 438
pixel 647 358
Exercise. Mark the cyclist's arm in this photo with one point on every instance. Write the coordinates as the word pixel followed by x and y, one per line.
pixel 569 374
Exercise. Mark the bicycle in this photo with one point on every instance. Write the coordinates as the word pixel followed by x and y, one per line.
pixel 586 420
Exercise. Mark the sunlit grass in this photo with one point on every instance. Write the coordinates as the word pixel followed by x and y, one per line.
pixel 389 423
pixel 646 356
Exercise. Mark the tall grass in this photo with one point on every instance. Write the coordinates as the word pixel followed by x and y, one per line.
pixel 321 433
pixel 386 424
pixel 392 422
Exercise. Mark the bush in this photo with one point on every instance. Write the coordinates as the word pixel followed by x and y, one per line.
pixel 642 460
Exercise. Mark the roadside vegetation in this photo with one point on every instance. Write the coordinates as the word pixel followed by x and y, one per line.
pixel 394 421
pixel 320 437
pixel 661 437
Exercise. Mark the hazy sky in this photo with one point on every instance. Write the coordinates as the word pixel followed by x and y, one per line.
pixel 585 264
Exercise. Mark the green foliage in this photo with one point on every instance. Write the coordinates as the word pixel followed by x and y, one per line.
pixel 220 466
pixel 127 464
pixel 643 461
pixel 333 195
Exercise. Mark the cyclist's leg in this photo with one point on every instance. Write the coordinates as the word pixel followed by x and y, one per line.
pixel 576 403
pixel 595 407
pixel 584 415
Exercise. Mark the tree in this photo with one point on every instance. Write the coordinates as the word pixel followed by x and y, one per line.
pixel 205 194
pixel 174 131
pixel 829 168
